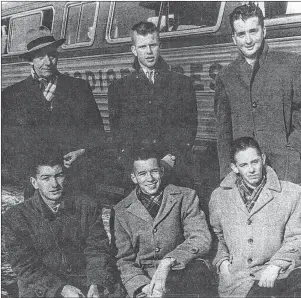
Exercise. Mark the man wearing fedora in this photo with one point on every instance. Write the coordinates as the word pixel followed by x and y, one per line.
pixel 49 109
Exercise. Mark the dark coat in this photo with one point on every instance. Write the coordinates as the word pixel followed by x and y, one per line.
pixel 264 104
pixel 163 113
pixel 269 234
pixel 47 252
pixel 28 121
pixel 179 231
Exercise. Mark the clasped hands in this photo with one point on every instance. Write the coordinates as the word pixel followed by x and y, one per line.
pixel 73 292
pixel 157 287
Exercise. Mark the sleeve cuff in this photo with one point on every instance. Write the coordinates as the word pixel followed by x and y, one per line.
pixel 135 283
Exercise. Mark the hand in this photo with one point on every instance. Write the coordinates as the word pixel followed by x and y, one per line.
pixel 225 273
pixel 269 276
pixel 169 159
pixel 158 281
pixel 93 292
pixel 70 157
pixel 71 292
pixel 146 291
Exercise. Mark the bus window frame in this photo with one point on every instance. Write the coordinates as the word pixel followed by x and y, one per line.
pixel 23 14
pixel 64 26
pixel 164 35
pixel 283 20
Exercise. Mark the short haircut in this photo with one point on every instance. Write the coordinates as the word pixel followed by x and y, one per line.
pixel 47 157
pixel 242 144
pixel 245 12
pixel 143 28
pixel 145 154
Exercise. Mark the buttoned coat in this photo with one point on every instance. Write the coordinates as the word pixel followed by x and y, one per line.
pixel 48 251
pixel 163 113
pixel 179 231
pixel 265 104
pixel 269 234
pixel 28 121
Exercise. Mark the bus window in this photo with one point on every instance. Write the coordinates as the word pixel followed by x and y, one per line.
pixel 20 24
pixel 126 14
pixel 80 22
pixel 189 15
pixel 277 12
pixel 171 17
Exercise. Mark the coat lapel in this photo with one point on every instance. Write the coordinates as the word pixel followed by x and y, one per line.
pixel 137 209
pixel 265 197
pixel 170 196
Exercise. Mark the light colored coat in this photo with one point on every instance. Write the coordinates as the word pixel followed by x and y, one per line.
pixel 269 234
pixel 179 231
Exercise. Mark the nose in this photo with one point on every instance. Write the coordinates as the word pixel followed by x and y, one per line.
pixel 251 169
pixel 149 176
pixel 47 59
pixel 54 182
pixel 248 38
pixel 149 49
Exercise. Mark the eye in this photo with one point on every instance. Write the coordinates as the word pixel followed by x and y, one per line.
pixel 156 171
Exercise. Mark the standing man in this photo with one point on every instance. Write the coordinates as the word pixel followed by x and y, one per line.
pixel 160 234
pixel 56 241
pixel 48 109
pixel 257 219
pixel 154 106
pixel 259 95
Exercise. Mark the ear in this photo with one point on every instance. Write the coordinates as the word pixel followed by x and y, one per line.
pixel 134 51
pixel 134 179
pixel 234 168
pixel 263 156
pixel 233 38
pixel 162 171
pixel 264 32
pixel 34 183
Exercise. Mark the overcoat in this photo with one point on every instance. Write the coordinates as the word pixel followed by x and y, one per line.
pixel 48 251
pixel 264 103
pixel 29 122
pixel 179 230
pixel 269 234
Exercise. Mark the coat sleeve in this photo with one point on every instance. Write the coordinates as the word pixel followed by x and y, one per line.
pixel 224 127
pixel 294 139
pixel 100 266
pixel 197 236
pixel 133 277
pixel 26 262
pixel 215 221
pixel 182 133
pixel 288 257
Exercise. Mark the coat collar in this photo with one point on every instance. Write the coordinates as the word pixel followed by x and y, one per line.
pixel 171 195
pixel 161 65
pixel 272 185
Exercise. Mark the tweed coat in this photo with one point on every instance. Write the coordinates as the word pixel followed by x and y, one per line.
pixel 163 113
pixel 265 104
pixel 28 122
pixel 269 234
pixel 47 252
pixel 179 231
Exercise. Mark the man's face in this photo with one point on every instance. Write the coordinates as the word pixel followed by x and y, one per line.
pixel 146 49
pixel 45 61
pixel 50 182
pixel 249 164
pixel 147 174
pixel 248 36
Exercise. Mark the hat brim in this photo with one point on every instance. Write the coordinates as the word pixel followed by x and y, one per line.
pixel 29 54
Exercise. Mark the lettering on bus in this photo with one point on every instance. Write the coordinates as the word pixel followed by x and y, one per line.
pixel 195 70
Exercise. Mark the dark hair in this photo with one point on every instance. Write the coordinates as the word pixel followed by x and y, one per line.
pixel 145 154
pixel 243 143
pixel 245 12
pixel 47 157
pixel 144 28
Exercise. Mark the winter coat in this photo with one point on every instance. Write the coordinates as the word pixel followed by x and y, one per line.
pixel 269 234
pixel 265 104
pixel 48 251
pixel 179 231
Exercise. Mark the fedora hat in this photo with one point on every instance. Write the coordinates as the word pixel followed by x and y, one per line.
pixel 39 38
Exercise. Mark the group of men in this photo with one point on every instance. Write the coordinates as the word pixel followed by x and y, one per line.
pixel 160 238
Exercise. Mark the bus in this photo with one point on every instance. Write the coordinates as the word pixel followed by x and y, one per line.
pixel 195 36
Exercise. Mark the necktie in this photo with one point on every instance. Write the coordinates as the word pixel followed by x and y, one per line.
pixel 151 76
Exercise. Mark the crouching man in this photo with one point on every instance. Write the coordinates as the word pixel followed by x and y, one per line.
pixel 56 242
pixel 257 219
pixel 160 234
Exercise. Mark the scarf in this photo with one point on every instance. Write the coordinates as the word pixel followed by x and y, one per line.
pixel 249 195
